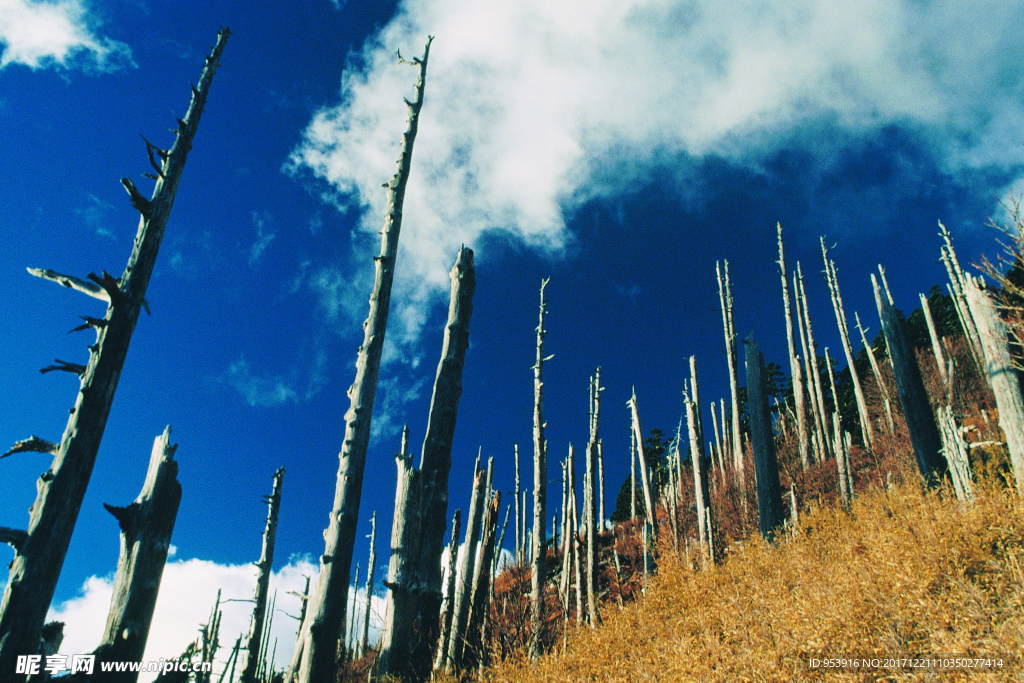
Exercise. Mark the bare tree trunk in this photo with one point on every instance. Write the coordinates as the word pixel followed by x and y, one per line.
pixel 632 473
pixel 600 486
pixel 924 434
pixel 883 388
pixel 568 533
pixel 590 497
pixel 519 512
pixel 766 466
pixel 315 658
pixel 701 487
pixel 955 451
pixel 649 515
pixel 832 278
pixel 795 371
pixel 957 289
pixel 841 462
pixel 371 566
pixel 449 595
pixel 481 588
pixel 409 641
pixel 464 575
pixel 811 361
pixel 726 300
pixel 253 653
pixel 146 527
pixel 540 476
pixel 41 548
pixel 999 370
pixel 933 336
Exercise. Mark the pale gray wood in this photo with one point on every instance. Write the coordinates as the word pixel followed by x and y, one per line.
pixel 649 511
pixel 812 372
pixel 795 371
pixel 146 527
pixel 444 640
pixel 832 279
pixel 590 520
pixel 465 571
pixel 726 302
pixel 371 566
pixel 766 466
pixel 409 641
pixel 955 451
pixel 540 476
pixel 841 462
pixel 480 600
pixel 883 387
pixel 1000 373
pixel 632 473
pixel 517 491
pixel 924 434
pixel 264 566
pixel 699 465
pixel 933 337
pixel 40 556
pixel 316 653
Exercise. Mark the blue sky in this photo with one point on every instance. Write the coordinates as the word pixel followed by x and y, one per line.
pixel 619 149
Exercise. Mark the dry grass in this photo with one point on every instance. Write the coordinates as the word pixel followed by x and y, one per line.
pixel 904 573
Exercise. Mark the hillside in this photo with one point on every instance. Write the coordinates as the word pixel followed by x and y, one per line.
pixel 904 573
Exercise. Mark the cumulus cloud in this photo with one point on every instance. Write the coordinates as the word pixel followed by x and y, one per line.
pixel 56 33
pixel 534 107
pixel 187 594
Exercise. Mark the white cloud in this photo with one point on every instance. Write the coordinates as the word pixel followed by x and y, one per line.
pixel 264 236
pixel 48 33
pixel 535 106
pixel 187 594
pixel 259 391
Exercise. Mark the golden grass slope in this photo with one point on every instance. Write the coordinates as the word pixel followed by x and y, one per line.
pixel 905 573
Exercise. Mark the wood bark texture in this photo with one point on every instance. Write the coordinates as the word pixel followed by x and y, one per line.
pixel 766 465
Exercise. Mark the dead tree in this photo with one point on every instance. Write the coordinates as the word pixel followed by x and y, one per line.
pixel 520 536
pixel 409 639
pixel 701 475
pixel 795 371
pixel 955 451
pixel 449 595
pixel 1000 373
pixel 726 301
pixel 41 548
pixel 465 570
pixel 540 476
pixel 315 657
pixel 254 639
pixel 958 294
pixel 590 498
pixel 917 411
pixel 650 519
pixel 146 527
pixel 482 582
pixel 766 466
pixel 883 388
pixel 815 390
pixel 632 472
pixel 933 337
pixel 832 279
pixel 364 635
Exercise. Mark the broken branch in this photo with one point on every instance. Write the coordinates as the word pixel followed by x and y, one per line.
pixel 13 537
pixel 141 204
pixel 71 282
pixel 64 366
pixel 32 444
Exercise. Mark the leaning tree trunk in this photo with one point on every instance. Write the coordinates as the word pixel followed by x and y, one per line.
pixel 41 548
pixel 726 301
pixel 650 517
pixel 877 372
pixel 146 527
pixel 1001 375
pixel 540 488
pixel 795 371
pixel 917 411
pixel 933 337
pixel 766 466
pixel 832 279
pixel 315 656
pixel 414 596
pixel 253 650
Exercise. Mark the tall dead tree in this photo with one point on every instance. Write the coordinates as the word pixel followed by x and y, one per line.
pixel 520 536
pixel 371 564
pixel 41 548
pixel 917 411
pixel 146 527
pixel 447 609
pixel 253 653
pixel 933 337
pixel 726 301
pixel 811 366
pixel 590 520
pixel 465 570
pixel 315 657
pixel 766 466
pixel 795 371
pixel 832 279
pixel 632 472
pixel 883 388
pixel 650 518
pixel 481 594
pixel 409 639
pixel 1000 373
pixel 958 294
pixel 700 465
pixel 540 476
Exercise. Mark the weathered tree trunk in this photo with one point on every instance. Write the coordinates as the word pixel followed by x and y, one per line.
pixel 726 301
pixel 540 477
pixel 933 336
pixel 924 434
pixel 1001 375
pixel 253 653
pixel 146 527
pixel 701 486
pixel 315 654
pixel 465 572
pixel 519 512
pixel 568 533
pixel 632 473
pixel 590 498
pixel 845 494
pixel 40 552
pixel 348 640
pixel 409 640
pixel 480 599
pixel 832 278
pixel 883 388
pixel 957 290
pixel 600 486
pixel 371 567
pixel 766 466
pixel 649 514
pixel 955 451
pixel 449 594
pixel 811 366
pixel 795 371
